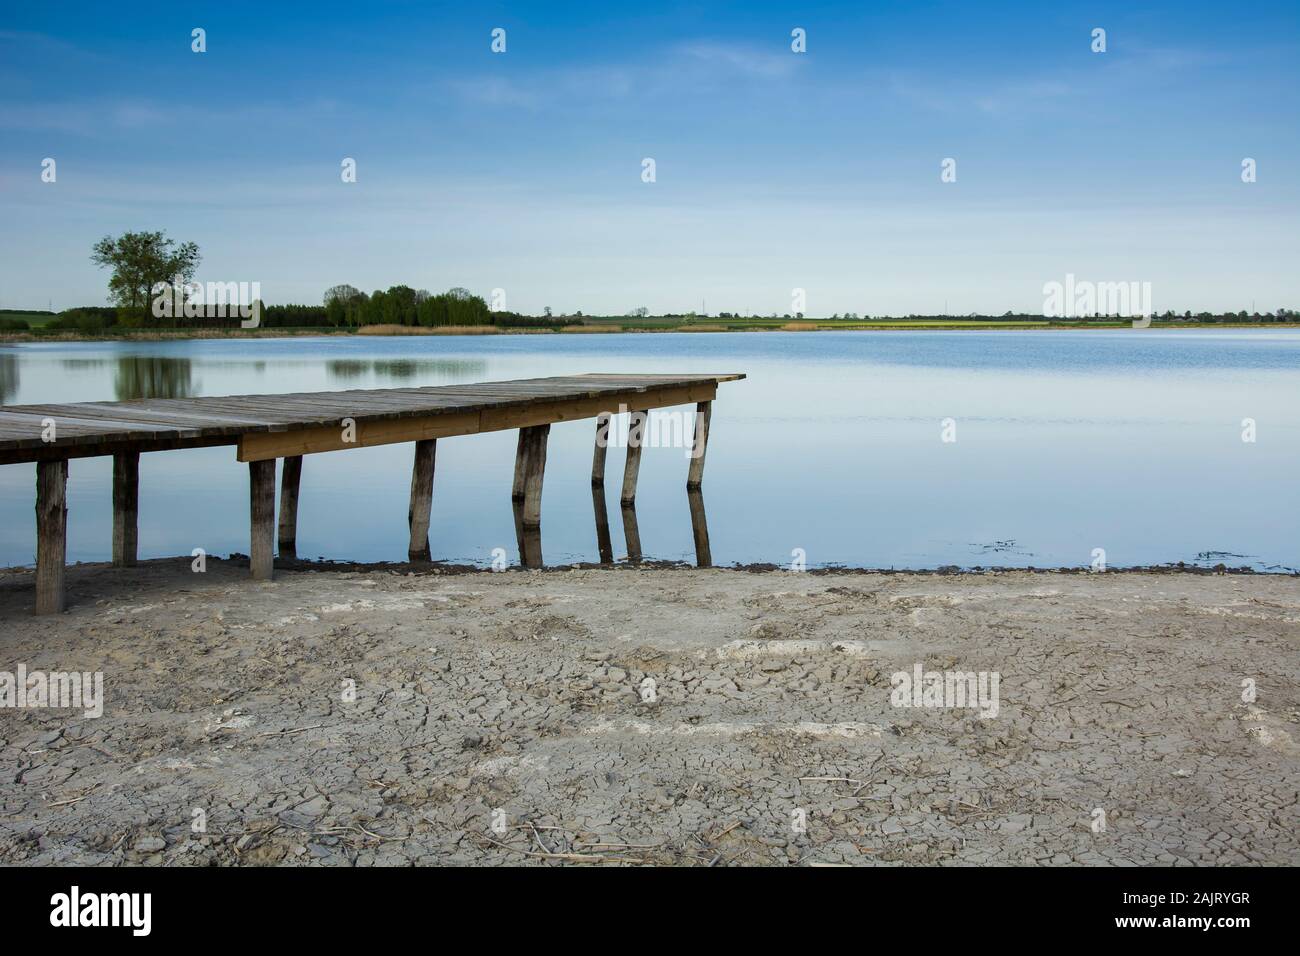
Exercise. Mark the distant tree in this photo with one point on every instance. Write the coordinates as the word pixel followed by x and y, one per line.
pixel 344 293
pixel 140 261
pixel 373 314
pixel 336 313
pixel 401 305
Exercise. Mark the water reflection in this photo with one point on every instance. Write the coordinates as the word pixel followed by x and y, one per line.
pixel 603 542
pixel 699 528
pixel 396 370
pixel 794 462
pixel 142 376
pixel 529 540
pixel 631 533
pixel 8 378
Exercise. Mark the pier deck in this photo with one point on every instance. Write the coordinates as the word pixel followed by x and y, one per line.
pixel 264 428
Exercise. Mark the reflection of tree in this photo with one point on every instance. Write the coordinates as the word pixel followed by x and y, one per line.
pixel 8 377
pixel 441 371
pixel 146 376
pixel 347 369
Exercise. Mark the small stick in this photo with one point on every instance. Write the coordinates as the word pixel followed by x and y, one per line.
pixel 285 733
pixel 576 857
pixel 64 803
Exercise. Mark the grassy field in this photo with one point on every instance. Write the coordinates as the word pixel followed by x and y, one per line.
pixel 36 320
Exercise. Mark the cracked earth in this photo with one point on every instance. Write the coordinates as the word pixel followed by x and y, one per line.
pixel 653 715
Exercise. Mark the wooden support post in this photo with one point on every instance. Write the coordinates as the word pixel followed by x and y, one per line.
pixel 290 478
pixel 603 543
pixel 521 466
pixel 635 434
pixel 417 517
pixel 528 539
pixel 631 533
pixel 261 501
pixel 695 475
pixel 536 442
pixel 126 508
pixel 699 529
pixel 51 534
pixel 530 552
pixel 602 446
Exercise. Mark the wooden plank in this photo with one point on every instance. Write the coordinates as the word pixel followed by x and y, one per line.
pixel 51 453
pixel 310 441
pixel 90 428
pixel 261 508
pixel 699 445
pixel 126 508
pixel 417 516
pixel 51 534
pixel 306 441
pixel 290 479
pixel 632 466
pixel 545 413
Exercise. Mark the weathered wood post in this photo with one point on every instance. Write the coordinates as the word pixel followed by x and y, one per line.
pixel 602 446
pixel 536 441
pixel 699 529
pixel 51 534
pixel 290 479
pixel 521 466
pixel 631 533
pixel 529 540
pixel 695 474
pixel 635 433
pixel 261 501
pixel 417 516
pixel 126 508
pixel 603 541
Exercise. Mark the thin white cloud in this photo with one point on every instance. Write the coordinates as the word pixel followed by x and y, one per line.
pixel 739 58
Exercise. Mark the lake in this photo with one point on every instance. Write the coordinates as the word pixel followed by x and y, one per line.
pixel 1129 441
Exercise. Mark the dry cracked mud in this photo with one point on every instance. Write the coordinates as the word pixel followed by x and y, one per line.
pixel 672 716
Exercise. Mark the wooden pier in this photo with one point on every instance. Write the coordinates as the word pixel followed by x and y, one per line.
pixel 264 428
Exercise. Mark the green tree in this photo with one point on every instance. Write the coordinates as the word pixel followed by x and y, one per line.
pixel 141 261
pixel 344 293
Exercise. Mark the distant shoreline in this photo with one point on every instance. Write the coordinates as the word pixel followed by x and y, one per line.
pixel 829 325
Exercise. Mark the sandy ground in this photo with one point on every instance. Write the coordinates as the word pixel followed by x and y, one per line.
pixel 507 718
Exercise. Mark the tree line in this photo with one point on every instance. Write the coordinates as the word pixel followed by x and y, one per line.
pixel 402 305
pixel 144 265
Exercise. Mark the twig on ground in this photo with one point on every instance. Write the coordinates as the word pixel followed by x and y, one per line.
pixel 286 733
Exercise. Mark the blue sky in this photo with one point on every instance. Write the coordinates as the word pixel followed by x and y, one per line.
pixel 775 170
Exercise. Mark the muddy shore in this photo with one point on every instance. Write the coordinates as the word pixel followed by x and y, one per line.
pixel 653 715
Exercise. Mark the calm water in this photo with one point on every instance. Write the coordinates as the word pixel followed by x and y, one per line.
pixel 1129 441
